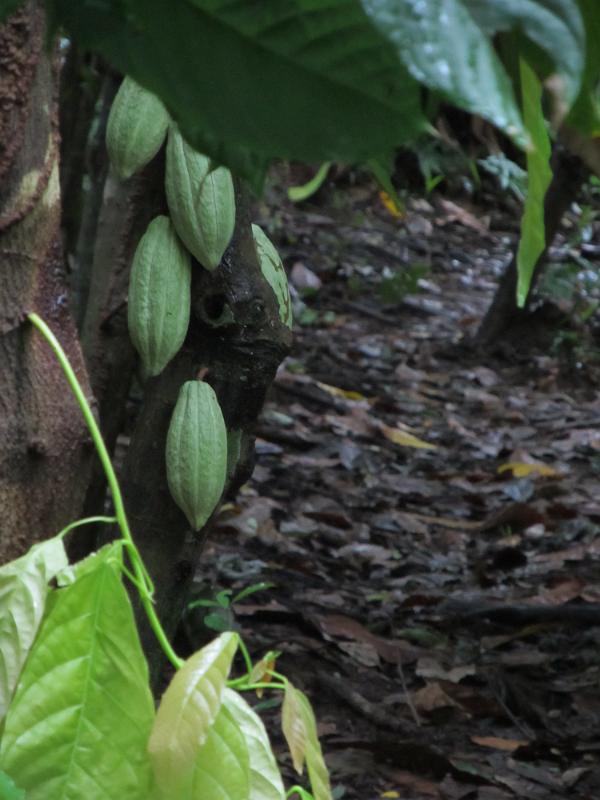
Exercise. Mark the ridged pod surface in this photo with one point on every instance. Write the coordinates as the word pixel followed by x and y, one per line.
pixel 158 311
pixel 136 128
pixel 196 453
pixel 273 272
pixel 201 201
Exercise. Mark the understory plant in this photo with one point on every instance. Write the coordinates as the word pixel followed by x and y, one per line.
pixel 78 715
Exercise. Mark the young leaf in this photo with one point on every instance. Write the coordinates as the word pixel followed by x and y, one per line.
pixel 315 764
pixel 539 175
pixel 23 590
pixel 265 779
pixel 81 716
pixel 187 711
pixel 293 726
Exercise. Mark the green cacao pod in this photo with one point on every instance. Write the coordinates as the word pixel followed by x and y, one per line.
pixel 197 452
pixel 136 128
pixel 273 272
pixel 158 311
pixel 201 201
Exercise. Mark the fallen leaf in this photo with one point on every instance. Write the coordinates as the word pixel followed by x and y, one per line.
pixel 521 469
pixel 496 743
pixel 335 391
pixel 405 439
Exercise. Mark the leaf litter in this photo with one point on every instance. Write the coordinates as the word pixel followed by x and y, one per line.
pixel 428 514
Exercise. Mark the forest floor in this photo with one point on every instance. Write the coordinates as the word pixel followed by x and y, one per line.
pixel 428 514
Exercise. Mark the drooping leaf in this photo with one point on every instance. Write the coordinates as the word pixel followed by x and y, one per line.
pixel 81 716
pixel 305 79
pixel 315 763
pixel 222 769
pixel 293 726
pixel 446 45
pixel 297 194
pixel 187 711
pixel 265 778
pixel 23 591
pixel 539 175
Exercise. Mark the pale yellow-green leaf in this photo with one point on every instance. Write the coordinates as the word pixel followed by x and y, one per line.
pixel 294 726
pixel 315 763
pixel 188 709
pixel 265 778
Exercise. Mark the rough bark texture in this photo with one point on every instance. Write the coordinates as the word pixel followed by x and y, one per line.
pixel 45 454
pixel 568 174
pixel 239 359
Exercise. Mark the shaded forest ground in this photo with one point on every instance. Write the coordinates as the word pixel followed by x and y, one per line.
pixel 440 606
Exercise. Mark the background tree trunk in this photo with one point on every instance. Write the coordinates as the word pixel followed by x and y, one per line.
pixel 45 454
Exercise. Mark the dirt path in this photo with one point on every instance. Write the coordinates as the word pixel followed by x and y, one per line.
pixel 440 606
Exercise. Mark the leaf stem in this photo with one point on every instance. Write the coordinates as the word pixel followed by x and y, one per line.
pixel 139 570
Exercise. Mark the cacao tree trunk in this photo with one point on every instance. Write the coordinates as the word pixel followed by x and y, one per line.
pixel 236 342
pixel 46 453
pixel 569 173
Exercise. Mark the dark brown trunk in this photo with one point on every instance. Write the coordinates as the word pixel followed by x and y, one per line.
pixel 503 313
pixel 45 454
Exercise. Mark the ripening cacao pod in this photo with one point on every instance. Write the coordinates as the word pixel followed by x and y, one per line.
pixel 136 128
pixel 158 312
pixel 273 272
pixel 201 201
pixel 196 452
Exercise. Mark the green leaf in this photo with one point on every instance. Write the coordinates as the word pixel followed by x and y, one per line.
pixel 306 79
pixel 188 709
pixel 315 763
pixel 297 194
pixel 8 789
pixel 556 26
pixel 23 592
pixel 81 716
pixel 446 44
pixel 585 114
pixel 539 175
pixel 265 778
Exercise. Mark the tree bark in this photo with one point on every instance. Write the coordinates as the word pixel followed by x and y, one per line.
pixel 236 342
pixel 569 173
pixel 46 451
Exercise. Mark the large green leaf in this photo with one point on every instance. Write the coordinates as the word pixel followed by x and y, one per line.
pixel 446 44
pixel 80 719
pixel 246 82
pixel 187 710
pixel 539 175
pixel 265 778
pixel 23 591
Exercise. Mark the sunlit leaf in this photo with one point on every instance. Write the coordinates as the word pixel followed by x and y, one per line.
pixel 188 709
pixel 539 175
pixel 294 727
pixel 82 713
pixel 265 778
pixel 405 439
pixel 315 763
pixel 23 591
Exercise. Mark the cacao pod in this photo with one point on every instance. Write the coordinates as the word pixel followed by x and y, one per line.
pixel 136 128
pixel 273 272
pixel 196 452
pixel 201 201
pixel 158 311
